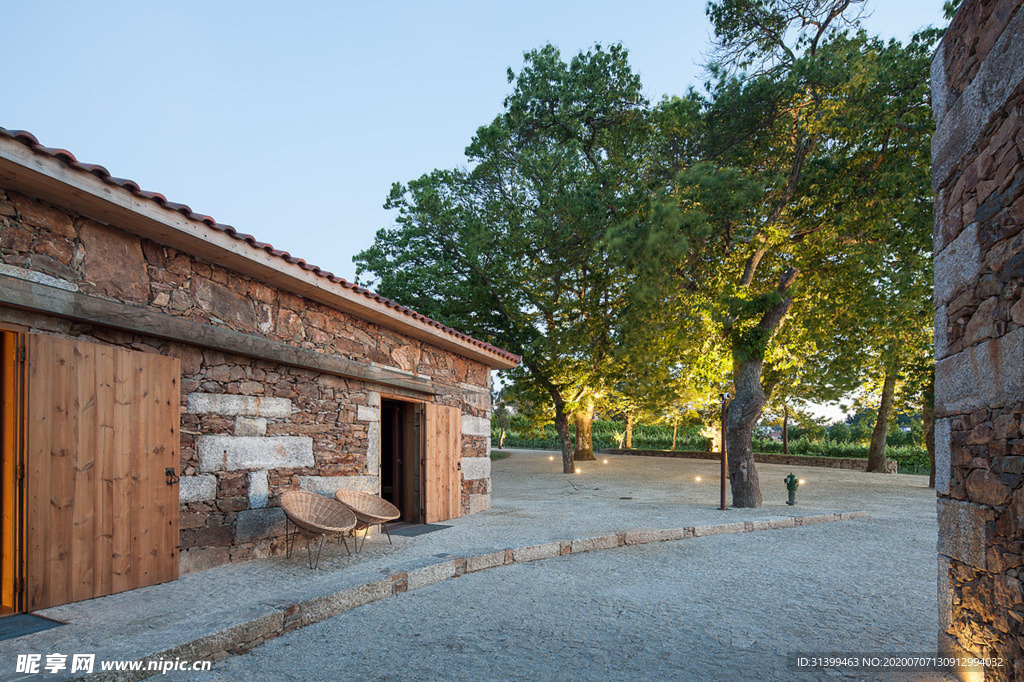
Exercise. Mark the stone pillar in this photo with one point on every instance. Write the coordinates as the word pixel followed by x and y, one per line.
pixel 370 413
pixel 978 178
pixel 476 463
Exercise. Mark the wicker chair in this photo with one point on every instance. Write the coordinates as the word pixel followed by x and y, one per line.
pixel 370 510
pixel 315 515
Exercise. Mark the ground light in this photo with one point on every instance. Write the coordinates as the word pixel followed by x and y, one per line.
pixel 697 479
pixel 579 471
pixel 802 481
pixel 604 461
pixel 551 458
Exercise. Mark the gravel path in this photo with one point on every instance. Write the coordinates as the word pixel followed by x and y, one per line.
pixel 719 607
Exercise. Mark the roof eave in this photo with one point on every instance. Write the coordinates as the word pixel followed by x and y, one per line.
pixel 46 177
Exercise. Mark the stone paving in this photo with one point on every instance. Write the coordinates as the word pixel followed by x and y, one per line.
pixel 725 607
pixel 534 506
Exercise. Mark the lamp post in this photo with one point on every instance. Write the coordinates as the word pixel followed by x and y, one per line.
pixel 725 454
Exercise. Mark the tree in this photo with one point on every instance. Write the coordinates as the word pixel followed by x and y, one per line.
pixel 666 366
pixel 808 141
pixel 893 337
pixel 501 418
pixel 513 250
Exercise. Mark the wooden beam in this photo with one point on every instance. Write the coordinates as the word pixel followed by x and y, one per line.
pixel 20 293
pixel 48 178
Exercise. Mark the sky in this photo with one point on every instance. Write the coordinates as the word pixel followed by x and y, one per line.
pixel 291 120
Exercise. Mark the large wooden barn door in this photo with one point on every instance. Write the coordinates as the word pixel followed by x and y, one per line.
pixel 102 435
pixel 442 463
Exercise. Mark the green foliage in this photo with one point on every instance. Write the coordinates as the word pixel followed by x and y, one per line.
pixel 637 256
pixel 912 458
pixel 513 250
pixel 523 434
pixel 606 434
pixel 804 204
pixel 840 432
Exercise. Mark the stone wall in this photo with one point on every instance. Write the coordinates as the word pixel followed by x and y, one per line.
pixel 978 177
pixel 853 463
pixel 250 429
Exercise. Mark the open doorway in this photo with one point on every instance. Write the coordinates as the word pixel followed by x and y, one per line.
pixel 400 454
pixel 11 416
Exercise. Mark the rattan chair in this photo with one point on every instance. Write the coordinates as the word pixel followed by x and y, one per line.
pixel 370 510
pixel 315 515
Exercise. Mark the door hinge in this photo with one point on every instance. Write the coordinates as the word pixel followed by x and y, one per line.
pixel 20 355
pixel 172 477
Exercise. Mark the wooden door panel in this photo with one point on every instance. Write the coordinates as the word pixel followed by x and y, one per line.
pixel 103 428
pixel 442 463
pixel 11 424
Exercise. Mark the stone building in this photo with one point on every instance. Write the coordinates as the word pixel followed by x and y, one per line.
pixel 978 178
pixel 165 378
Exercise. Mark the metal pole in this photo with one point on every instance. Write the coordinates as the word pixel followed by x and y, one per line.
pixel 725 454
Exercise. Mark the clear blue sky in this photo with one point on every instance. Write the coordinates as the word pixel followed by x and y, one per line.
pixel 291 120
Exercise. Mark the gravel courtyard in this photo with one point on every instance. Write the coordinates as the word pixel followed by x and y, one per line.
pixel 718 607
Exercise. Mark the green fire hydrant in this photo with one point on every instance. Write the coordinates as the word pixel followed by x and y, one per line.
pixel 791 485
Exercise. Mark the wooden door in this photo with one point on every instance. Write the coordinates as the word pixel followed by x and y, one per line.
pixel 442 463
pixel 102 433
pixel 11 430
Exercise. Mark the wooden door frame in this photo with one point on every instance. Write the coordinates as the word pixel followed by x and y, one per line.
pixel 16 526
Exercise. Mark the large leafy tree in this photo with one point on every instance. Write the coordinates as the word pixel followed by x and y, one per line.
pixel 896 331
pixel 513 249
pixel 812 167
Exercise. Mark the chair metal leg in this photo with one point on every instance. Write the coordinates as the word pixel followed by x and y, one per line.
pixel 384 526
pixel 345 542
pixel 288 539
pixel 309 552
pixel 319 547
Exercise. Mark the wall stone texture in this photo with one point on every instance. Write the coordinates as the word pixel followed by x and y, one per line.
pixel 978 178
pixel 891 466
pixel 250 429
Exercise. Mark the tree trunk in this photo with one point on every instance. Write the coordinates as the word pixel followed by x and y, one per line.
pixel 584 437
pixel 562 428
pixel 747 406
pixel 628 442
pixel 501 438
pixel 675 432
pixel 876 455
pixel 928 419
pixel 741 416
pixel 561 418
pixel 785 429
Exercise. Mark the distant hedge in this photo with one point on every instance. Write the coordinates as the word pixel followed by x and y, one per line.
pixel 606 434
pixel 912 458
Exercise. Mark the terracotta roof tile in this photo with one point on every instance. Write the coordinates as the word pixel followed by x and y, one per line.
pixel 66 157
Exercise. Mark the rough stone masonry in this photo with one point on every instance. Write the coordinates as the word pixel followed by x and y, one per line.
pixel 251 429
pixel 978 179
